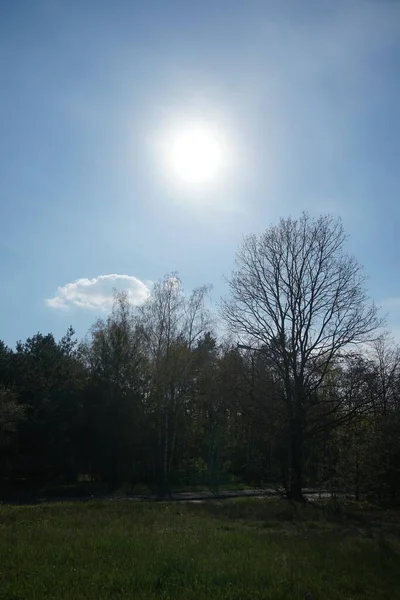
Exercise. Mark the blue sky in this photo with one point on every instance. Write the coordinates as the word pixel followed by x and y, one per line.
pixel 308 94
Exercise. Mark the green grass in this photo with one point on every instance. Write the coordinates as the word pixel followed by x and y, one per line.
pixel 235 549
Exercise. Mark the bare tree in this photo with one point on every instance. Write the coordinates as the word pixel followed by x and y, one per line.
pixel 384 463
pixel 386 358
pixel 297 294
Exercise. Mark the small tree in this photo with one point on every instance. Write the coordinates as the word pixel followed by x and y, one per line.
pixel 297 294
pixel 11 414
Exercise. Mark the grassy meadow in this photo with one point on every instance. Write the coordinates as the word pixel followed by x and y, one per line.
pixel 234 549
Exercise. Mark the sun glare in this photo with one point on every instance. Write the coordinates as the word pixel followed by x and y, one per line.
pixel 194 155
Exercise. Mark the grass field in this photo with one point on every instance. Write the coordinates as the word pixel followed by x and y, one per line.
pixel 236 549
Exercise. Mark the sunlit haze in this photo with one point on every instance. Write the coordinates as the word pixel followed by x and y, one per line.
pixel 144 138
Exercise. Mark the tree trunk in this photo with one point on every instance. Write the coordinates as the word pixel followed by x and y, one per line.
pixel 165 458
pixel 113 477
pixel 357 479
pixel 295 491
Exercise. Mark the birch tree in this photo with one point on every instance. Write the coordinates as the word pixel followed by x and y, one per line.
pixel 172 322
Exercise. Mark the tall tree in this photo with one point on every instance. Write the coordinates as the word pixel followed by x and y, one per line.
pixel 115 362
pixel 172 323
pixel 297 293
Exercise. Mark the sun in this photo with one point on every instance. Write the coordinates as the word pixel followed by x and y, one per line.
pixel 194 155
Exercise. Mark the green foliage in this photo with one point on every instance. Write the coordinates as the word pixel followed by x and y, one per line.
pixel 193 471
pixel 11 415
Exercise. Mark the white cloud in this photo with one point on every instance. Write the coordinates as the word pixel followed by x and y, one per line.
pixel 97 293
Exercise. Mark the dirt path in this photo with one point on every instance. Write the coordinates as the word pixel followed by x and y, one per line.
pixel 195 496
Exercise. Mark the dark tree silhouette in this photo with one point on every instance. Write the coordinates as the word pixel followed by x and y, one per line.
pixel 297 292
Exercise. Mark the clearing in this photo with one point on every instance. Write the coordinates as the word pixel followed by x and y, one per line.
pixel 247 548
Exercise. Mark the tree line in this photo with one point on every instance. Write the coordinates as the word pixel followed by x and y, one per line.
pixel 304 390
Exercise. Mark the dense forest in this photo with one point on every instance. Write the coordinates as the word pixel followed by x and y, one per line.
pixel 302 389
